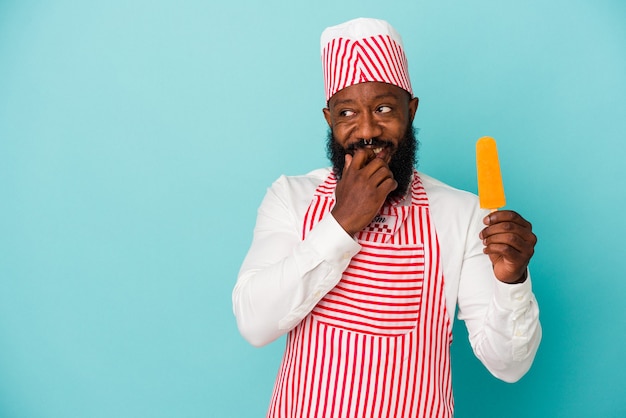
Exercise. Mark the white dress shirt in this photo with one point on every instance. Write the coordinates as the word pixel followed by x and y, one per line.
pixel 283 277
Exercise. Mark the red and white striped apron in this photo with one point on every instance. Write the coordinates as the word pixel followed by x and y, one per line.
pixel 377 345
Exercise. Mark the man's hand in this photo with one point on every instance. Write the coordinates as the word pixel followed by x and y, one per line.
pixel 365 183
pixel 510 243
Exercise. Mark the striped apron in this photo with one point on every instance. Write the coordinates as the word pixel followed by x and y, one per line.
pixel 377 345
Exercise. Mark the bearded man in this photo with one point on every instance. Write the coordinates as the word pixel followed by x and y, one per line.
pixel 364 264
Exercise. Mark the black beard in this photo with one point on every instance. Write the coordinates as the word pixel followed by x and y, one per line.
pixel 401 165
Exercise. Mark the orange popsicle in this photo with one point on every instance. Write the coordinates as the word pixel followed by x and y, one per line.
pixel 490 188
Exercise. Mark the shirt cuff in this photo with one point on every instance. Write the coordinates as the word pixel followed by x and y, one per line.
pixel 334 249
pixel 513 297
pixel 333 243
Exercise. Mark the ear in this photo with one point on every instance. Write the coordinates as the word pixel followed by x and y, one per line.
pixel 413 103
pixel 327 116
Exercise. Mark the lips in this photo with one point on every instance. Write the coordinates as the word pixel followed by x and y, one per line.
pixel 381 148
pixel 374 144
pixel 382 152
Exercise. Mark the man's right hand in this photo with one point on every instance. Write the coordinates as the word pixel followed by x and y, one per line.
pixel 365 183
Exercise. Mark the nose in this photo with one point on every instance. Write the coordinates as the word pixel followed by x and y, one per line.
pixel 368 127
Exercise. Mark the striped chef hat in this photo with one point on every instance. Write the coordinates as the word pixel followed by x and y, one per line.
pixel 362 50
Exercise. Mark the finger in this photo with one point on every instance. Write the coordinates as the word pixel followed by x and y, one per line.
pixel 502 230
pixel 362 157
pixel 517 260
pixel 513 241
pixel 348 161
pixel 381 174
pixel 514 246
pixel 506 216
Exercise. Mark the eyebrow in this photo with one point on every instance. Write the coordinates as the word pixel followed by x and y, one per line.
pixel 377 97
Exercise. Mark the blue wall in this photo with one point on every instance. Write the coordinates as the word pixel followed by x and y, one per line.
pixel 137 139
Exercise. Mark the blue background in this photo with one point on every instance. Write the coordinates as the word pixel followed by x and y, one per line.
pixel 137 139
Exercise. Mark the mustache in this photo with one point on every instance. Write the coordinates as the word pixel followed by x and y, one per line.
pixel 373 142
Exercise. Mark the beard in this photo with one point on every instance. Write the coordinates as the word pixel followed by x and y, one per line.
pixel 402 162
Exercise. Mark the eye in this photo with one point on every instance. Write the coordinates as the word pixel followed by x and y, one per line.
pixel 346 112
pixel 383 109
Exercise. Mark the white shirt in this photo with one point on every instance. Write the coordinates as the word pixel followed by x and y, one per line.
pixel 283 277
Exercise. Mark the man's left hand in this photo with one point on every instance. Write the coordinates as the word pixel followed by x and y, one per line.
pixel 510 243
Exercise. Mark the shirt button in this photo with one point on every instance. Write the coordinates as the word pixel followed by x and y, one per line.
pixel 346 256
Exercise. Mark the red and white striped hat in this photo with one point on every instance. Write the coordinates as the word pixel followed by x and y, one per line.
pixel 362 50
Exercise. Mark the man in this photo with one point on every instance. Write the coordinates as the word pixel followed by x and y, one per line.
pixel 364 264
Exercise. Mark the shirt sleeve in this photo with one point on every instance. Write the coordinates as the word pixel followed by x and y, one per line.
pixel 502 319
pixel 283 277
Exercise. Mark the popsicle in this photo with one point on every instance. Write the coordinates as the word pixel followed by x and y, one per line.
pixel 490 187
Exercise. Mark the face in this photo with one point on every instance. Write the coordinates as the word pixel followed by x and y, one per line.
pixel 377 116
